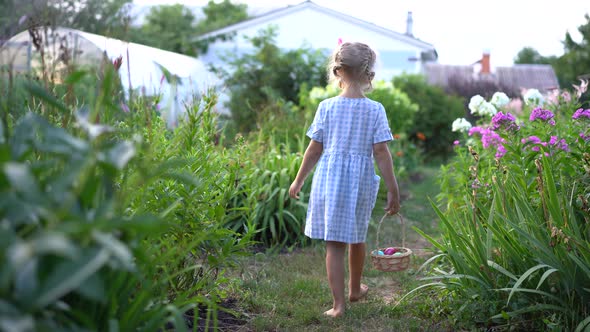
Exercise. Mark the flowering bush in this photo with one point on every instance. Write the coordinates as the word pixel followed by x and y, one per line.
pixel 515 233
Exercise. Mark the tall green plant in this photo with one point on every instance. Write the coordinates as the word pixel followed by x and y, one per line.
pixel 277 219
pixel 70 259
pixel 515 237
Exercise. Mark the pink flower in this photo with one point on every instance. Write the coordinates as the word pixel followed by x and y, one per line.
pixel 543 115
pixel 500 151
pixel 506 121
pixel 581 113
pixel 456 142
pixel 532 139
pixel 581 89
pixel 125 108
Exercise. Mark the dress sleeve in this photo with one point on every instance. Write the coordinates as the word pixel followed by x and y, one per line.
pixel 381 131
pixel 316 130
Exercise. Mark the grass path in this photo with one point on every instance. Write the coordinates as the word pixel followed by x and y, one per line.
pixel 289 292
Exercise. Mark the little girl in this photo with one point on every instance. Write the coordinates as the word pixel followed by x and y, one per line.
pixel 347 131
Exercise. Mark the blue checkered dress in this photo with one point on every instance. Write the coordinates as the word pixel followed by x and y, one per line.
pixel 344 187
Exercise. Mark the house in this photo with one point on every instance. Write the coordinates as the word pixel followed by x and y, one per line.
pixel 320 28
pixel 513 79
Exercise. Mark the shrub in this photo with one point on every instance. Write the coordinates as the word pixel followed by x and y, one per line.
pixel 436 111
pixel 277 219
pixel 70 259
pixel 515 236
pixel 113 227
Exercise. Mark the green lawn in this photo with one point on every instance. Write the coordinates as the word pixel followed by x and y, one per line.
pixel 289 292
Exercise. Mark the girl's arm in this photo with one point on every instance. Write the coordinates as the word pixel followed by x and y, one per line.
pixel 310 158
pixel 385 164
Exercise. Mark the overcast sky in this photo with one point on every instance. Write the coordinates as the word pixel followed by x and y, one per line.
pixel 460 30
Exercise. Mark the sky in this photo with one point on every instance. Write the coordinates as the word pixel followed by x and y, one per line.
pixel 460 30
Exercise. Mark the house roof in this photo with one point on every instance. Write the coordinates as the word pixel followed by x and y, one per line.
pixel 274 14
pixel 515 78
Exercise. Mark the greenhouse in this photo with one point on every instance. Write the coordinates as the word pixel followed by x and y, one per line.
pixel 141 67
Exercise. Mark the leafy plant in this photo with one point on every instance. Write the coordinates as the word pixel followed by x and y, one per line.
pixel 268 74
pixel 436 110
pixel 515 236
pixel 70 260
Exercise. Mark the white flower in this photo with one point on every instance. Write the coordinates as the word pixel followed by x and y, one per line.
pixel 475 103
pixel 500 99
pixel 580 89
pixel 487 109
pixel 460 124
pixel 533 97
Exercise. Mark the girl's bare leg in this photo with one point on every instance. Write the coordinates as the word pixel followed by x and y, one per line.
pixel 335 267
pixel 356 263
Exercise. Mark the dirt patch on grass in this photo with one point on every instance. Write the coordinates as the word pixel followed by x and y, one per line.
pixel 229 318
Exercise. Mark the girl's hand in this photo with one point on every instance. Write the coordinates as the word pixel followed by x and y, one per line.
pixel 295 188
pixel 392 206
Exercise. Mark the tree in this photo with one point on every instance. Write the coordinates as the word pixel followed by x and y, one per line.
pixel 219 15
pixel 104 17
pixel 267 75
pixel 175 28
pixel 575 61
pixel 169 27
pixel 529 55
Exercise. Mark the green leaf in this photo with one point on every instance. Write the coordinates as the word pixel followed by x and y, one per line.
pixel 17 323
pixel 533 308
pixel 8 309
pixel 93 289
pixel 54 243
pixel 117 248
pixel 22 180
pixel 26 281
pixel 502 270
pixel 524 277
pixel 39 92
pixel 70 275
pixel 75 77
pixel 2 133
pixel 544 276
pixel 119 155
pixel 583 326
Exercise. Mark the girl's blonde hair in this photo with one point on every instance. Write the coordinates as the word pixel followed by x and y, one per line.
pixel 357 60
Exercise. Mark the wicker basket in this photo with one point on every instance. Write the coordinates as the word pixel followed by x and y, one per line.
pixel 392 263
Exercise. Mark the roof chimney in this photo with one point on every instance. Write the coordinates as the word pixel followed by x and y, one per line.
pixel 485 63
pixel 409 25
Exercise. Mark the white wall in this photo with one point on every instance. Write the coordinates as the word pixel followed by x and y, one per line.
pixel 321 31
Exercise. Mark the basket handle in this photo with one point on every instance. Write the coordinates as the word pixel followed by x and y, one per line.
pixel 401 219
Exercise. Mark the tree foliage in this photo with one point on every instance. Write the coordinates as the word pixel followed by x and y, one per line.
pixel 219 15
pixel 529 55
pixel 176 28
pixel 104 17
pixel 574 63
pixel 266 75
pixel 169 27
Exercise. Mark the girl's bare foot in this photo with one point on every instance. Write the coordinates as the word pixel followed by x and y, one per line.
pixel 334 312
pixel 364 289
